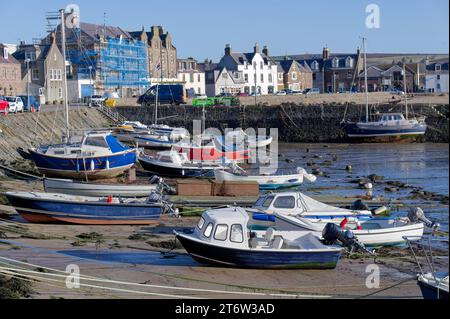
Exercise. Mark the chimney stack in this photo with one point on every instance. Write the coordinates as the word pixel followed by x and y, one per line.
pixel 256 48
pixel 326 53
pixel 266 50
pixel 227 49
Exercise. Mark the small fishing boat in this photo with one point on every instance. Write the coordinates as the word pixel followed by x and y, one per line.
pixel 70 209
pixel 177 165
pixel 247 141
pixel 267 182
pixel 298 211
pixel 433 284
pixel 222 238
pixel 198 151
pixel 71 187
pixel 153 141
pixel 99 155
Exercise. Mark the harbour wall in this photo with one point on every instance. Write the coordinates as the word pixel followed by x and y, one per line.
pixel 26 130
pixel 295 122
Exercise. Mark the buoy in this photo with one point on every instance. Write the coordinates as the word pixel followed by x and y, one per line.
pixel 358 225
pixel 368 186
pixel 110 199
pixel 32 109
pixel 380 210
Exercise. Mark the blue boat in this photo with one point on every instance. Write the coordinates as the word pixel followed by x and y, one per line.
pixel 223 237
pixel 68 209
pixel 99 155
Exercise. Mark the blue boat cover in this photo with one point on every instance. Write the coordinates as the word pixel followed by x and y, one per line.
pixel 115 145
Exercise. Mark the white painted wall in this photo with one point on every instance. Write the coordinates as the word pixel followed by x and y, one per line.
pixel 269 74
pixel 431 83
pixel 197 82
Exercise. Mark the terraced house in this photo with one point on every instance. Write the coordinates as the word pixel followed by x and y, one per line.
pixel 190 74
pixel 294 76
pixel 259 71
pixel 42 70
pixel 10 78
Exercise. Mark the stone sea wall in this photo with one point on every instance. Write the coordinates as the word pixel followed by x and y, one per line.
pixel 296 123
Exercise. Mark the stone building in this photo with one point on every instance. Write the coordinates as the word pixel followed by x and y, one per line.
pixel 43 68
pixel 190 74
pixel 383 77
pixel 294 76
pixel 161 53
pixel 10 77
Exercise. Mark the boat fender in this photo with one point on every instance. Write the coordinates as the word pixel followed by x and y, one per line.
pixel 92 165
pixel 107 164
pixel 358 225
pixel 380 210
pixel 344 223
pixel 109 199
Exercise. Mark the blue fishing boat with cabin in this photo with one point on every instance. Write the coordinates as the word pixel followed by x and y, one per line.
pixel 99 155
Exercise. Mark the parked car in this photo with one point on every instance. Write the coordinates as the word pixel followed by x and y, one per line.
pixel 167 94
pixel 255 94
pixel 281 93
pixel 395 91
pixel 4 105
pixel 288 91
pixel 297 92
pixel 33 103
pixel 243 94
pixel 97 100
pixel 313 91
pixel 224 95
pixel 15 104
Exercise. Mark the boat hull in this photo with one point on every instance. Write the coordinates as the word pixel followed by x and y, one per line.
pixel 153 143
pixel 97 190
pixel 38 210
pixel 81 168
pixel 384 134
pixel 259 259
pixel 273 182
pixel 175 172
pixel 211 154
pixel 430 292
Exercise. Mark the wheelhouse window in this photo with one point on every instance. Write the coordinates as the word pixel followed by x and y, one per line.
pixel 208 231
pixel 285 202
pixel 221 232
pixel 237 234
pixel 201 223
pixel 96 141
pixel 264 201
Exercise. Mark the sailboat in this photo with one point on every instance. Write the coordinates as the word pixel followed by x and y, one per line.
pixel 387 126
pixel 98 155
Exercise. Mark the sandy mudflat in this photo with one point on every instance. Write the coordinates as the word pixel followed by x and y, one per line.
pixel 114 256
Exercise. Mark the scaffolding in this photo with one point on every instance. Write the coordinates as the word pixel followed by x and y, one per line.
pixel 122 66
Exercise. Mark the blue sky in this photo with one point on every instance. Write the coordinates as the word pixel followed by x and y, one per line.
pixel 201 28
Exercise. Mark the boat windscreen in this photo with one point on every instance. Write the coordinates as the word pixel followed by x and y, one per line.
pixel 115 145
pixel 264 201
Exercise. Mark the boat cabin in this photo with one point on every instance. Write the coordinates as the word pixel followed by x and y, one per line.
pixel 296 203
pixel 92 144
pixel 392 117
pixel 172 157
pixel 231 227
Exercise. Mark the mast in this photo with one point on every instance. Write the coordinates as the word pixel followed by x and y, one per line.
pixel 406 90
pixel 63 43
pixel 365 80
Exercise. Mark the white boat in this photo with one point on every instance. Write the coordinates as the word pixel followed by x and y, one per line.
pixel 296 210
pixel 252 141
pixel 70 187
pixel 374 232
pixel 267 182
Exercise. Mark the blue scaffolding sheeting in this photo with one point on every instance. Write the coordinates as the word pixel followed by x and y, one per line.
pixel 122 63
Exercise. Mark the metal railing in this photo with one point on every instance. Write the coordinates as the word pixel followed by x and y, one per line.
pixel 115 116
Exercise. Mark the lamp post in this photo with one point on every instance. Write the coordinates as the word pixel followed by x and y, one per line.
pixel 91 84
pixel 27 61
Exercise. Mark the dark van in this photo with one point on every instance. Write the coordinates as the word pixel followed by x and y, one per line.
pixel 167 94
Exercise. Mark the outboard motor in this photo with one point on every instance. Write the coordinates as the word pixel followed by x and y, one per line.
pixel 416 215
pixel 360 205
pixel 332 234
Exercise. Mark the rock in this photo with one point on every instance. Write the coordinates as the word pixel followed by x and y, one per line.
pixel 327 163
pixel 288 160
pixel 318 156
pixel 349 168
pixel 375 178
pixel 391 189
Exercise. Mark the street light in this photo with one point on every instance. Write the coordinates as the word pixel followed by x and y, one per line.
pixel 91 84
pixel 27 61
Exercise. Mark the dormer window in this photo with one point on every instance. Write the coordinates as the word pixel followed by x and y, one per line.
pixel 315 65
pixel 438 67
pixel 335 63
pixel 5 53
pixel 349 62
